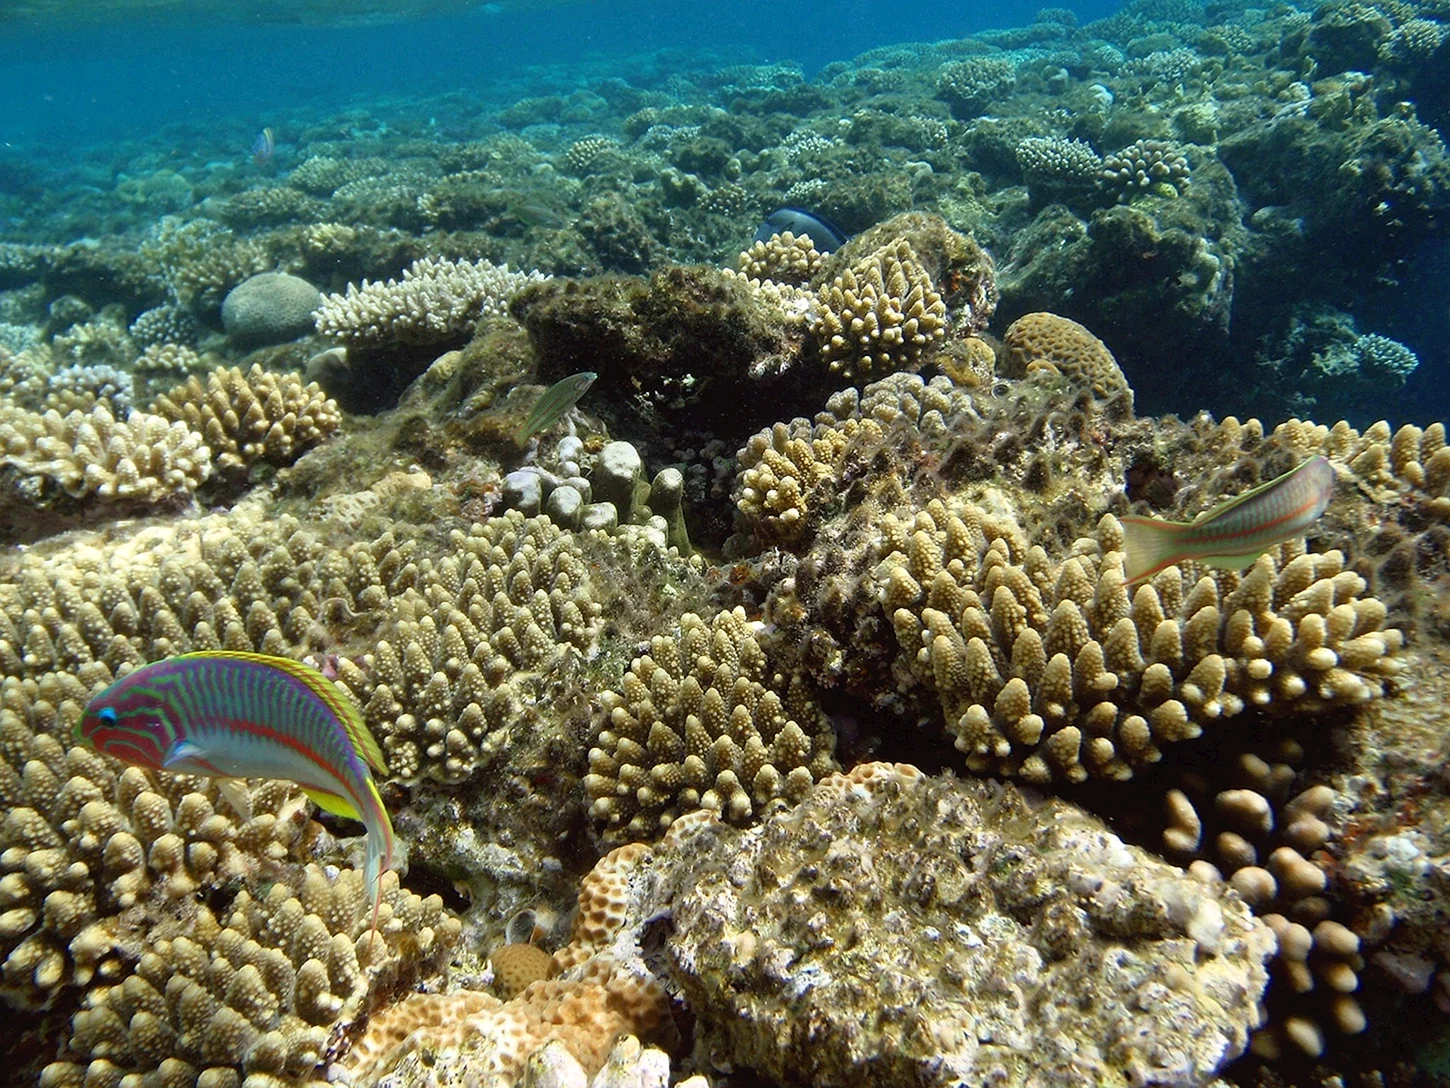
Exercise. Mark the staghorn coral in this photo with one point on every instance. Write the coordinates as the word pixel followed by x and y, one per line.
pixel 1055 671
pixel 252 416
pixel 1045 339
pixel 880 315
pixel 701 722
pixel 436 302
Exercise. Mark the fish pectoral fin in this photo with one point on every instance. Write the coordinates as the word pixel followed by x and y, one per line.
pixel 333 803
pixel 238 796
pixel 186 756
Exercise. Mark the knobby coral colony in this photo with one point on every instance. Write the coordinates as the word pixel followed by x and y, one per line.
pixel 936 541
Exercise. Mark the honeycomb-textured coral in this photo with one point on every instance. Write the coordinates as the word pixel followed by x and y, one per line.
pixel 702 722
pixel 597 999
pixel 515 966
pixel 1052 670
pixel 92 455
pixel 781 258
pixel 260 988
pixel 880 315
pixel 1040 339
pixel 252 416
pixel 435 302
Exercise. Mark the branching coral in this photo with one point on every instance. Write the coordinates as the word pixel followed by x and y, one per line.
pixel 880 315
pixel 253 416
pixel 702 722
pixel 435 302
pixel 1055 671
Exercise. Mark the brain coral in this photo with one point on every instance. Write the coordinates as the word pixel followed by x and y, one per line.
pixel 1046 339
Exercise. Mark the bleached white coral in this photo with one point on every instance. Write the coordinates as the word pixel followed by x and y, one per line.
pixel 435 301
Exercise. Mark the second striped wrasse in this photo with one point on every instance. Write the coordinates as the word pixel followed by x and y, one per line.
pixel 243 715
pixel 1235 533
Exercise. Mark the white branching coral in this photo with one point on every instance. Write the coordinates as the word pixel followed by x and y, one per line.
pixel 436 301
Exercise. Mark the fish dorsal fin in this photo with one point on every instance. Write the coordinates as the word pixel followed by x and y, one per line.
pixel 347 713
pixel 1252 493
pixel 333 803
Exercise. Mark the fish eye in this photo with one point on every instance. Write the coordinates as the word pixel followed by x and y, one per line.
pixel 107 714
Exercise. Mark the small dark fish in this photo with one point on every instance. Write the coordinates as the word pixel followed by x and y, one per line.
pixel 265 145
pixel 824 234
pixel 557 399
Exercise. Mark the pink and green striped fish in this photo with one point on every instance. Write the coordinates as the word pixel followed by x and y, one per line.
pixel 242 715
pixel 1235 533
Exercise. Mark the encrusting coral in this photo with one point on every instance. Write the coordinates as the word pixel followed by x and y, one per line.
pixel 702 721
pixel 434 303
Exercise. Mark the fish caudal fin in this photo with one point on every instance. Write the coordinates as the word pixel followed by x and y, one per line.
pixel 1150 545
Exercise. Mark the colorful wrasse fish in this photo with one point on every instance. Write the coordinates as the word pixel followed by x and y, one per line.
pixel 1236 532
pixel 555 401
pixel 263 147
pixel 243 715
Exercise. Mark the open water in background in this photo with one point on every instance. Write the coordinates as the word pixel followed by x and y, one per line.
pixel 70 86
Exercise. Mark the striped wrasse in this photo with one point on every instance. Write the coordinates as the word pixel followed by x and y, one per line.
pixel 553 403
pixel 242 715
pixel 1235 533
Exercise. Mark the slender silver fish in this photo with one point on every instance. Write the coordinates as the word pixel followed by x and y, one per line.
pixel 1235 533
pixel 557 399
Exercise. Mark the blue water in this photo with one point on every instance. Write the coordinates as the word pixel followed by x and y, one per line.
pixel 65 88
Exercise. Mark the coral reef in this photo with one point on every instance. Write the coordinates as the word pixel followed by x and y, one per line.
pixel 1044 339
pixel 436 303
pixel 695 726
pixel 880 315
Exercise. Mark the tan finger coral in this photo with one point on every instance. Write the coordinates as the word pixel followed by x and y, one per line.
pixel 781 258
pixel 1045 339
pixel 1054 670
pixel 701 721
pixel 266 988
pixel 435 302
pixel 471 641
pixel 880 315
pixel 57 470
pixel 252 416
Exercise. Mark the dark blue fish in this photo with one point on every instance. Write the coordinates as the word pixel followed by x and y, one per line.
pixel 265 145
pixel 824 234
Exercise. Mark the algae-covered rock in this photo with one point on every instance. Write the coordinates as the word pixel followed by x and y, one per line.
pixel 899 929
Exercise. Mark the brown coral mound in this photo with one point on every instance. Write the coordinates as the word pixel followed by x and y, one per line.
pixel 1044 339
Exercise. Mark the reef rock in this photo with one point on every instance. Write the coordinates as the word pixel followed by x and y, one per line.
pixel 900 929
